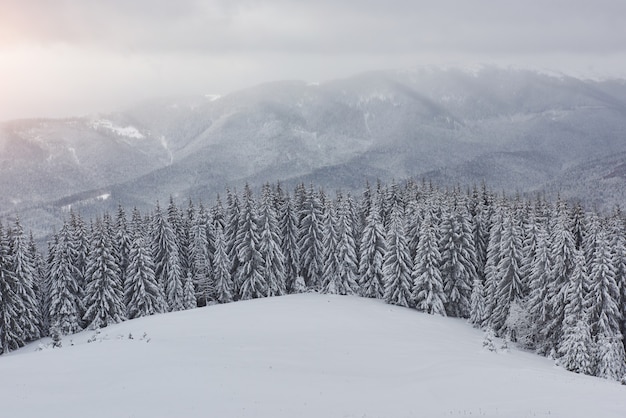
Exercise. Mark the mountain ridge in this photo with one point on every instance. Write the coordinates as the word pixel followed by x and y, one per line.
pixel 516 130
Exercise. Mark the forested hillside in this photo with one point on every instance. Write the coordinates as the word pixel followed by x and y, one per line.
pixel 541 274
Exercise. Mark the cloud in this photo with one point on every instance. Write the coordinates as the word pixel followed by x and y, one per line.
pixel 324 26
pixel 67 57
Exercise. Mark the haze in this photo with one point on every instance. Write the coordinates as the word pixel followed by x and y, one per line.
pixel 74 57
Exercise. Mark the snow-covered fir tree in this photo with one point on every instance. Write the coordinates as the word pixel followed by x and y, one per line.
pixel 269 245
pixel 397 265
pixel 64 305
pixel 288 223
pixel 166 262
pixel 457 262
pixel 103 299
pixel 143 295
pixel 428 293
pixel 310 240
pixel 373 249
pixel 252 283
pixel 223 291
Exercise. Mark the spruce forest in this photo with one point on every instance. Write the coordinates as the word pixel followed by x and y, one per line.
pixel 547 276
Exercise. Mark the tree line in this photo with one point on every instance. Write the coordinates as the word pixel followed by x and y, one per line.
pixel 547 275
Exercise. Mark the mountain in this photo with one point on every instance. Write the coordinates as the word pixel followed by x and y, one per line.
pixel 516 130
pixel 305 355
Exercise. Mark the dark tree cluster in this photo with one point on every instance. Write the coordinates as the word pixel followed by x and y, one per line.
pixel 545 275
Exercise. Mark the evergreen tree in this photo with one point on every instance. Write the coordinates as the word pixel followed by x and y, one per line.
pixel 11 303
pixel 252 283
pixel 538 281
pixel 288 222
pixel 604 294
pixel 509 284
pixel 346 246
pixel 457 262
pixel 64 305
pixel 221 271
pixel 331 282
pixel 428 293
pixel 269 245
pixel 103 293
pixel 231 232
pixel 576 347
pixel 199 257
pixel 397 264
pixel 189 292
pixel 373 249
pixel 311 240
pixel 23 268
pixel 167 264
pixel 562 250
pixel 121 243
pixel 610 362
pixel 143 295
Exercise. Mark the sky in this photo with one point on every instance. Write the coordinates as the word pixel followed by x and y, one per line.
pixel 62 58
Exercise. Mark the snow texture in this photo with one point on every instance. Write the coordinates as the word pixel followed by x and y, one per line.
pixel 302 355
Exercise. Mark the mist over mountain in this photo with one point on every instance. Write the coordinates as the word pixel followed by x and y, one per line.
pixel 516 130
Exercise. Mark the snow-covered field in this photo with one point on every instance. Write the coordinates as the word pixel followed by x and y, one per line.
pixel 294 356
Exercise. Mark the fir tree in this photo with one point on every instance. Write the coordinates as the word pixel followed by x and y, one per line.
pixel 346 246
pixel 64 305
pixel 310 240
pixel 23 267
pixel 143 295
pixel 269 245
pixel 428 293
pixel 221 271
pixel 457 262
pixel 252 283
pixel 167 264
pixel 373 249
pixel 288 222
pixel 509 284
pixel 397 264
pixel 199 257
pixel 11 303
pixel 103 292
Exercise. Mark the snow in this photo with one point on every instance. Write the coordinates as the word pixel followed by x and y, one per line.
pixel 126 131
pixel 295 356
pixel 213 97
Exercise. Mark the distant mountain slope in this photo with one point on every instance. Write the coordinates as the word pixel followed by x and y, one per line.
pixel 516 130
pixel 304 356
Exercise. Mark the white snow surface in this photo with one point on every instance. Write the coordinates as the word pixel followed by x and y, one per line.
pixel 295 356
pixel 125 131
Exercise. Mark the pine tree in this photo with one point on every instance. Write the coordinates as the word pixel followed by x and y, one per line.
pixel 610 361
pixel 11 303
pixel 331 283
pixel 189 292
pixel 200 268
pixel 562 251
pixel 457 262
pixel 397 264
pixel 346 246
pixel 538 301
pixel 373 249
pixel 103 292
pixel 269 245
pixel 576 347
pixel 509 282
pixel 23 268
pixel 143 295
pixel 121 243
pixel 604 294
pixel 231 232
pixel 288 222
pixel 221 271
pixel 311 240
pixel 252 283
pixel 167 264
pixel 428 293
pixel 64 304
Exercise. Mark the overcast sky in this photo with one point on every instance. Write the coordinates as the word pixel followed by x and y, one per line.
pixel 73 57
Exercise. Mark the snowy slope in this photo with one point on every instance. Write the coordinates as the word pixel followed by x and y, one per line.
pixel 295 356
